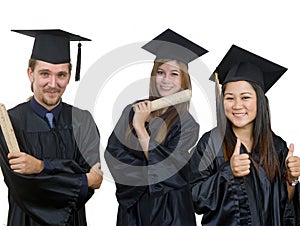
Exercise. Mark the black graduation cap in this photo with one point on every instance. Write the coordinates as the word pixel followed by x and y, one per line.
pixel 53 46
pixel 170 45
pixel 240 64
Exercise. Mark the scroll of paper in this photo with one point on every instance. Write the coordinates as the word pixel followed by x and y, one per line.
pixel 7 130
pixel 177 98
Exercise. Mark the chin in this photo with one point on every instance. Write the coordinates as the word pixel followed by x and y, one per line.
pixel 240 125
pixel 166 93
pixel 51 102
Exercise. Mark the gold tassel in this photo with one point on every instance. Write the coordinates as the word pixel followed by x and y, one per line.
pixel 217 89
pixel 218 99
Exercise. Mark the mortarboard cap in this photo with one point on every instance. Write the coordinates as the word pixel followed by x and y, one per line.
pixel 170 45
pixel 53 46
pixel 239 64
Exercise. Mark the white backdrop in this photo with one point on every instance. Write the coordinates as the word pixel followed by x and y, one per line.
pixel 268 28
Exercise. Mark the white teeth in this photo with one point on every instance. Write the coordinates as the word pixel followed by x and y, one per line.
pixel 166 87
pixel 239 114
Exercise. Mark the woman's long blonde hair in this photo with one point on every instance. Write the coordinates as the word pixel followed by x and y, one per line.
pixel 173 111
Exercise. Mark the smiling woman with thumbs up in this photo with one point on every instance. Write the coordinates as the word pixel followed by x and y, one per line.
pixel 239 167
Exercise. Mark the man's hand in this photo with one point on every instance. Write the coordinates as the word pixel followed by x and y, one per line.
pixel 23 163
pixel 95 176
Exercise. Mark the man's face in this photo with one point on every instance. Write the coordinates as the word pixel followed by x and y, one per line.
pixel 49 82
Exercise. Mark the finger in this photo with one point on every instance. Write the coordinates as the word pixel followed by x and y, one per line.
pixel 241 173
pixel 144 106
pixel 136 106
pixel 14 154
pixel 96 168
pixel 293 164
pixel 237 147
pixel 133 107
pixel 243 168
pixel 291 151
pixel 16 167
pixel 148 104
pixel 244 173
pixel 13 161
pixel 244 157
pixel 97 165
pixel 241 162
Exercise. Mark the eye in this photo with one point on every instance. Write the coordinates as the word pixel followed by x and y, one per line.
pixel 246 97
pixel 44 74
pixel 62 75
pixel 160 72
pixel 228 98
pixel 175 74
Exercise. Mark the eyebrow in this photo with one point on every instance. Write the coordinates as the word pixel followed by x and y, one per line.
pixel 41 70
pixel 47 70
pixel 228 93
pixel 177 70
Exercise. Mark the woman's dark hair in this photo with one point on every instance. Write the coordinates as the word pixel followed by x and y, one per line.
pixel 263 144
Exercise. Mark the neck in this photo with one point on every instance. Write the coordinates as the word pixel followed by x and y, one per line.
pixel 46 106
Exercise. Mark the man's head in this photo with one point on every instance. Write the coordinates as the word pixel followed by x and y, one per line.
pixel 48 81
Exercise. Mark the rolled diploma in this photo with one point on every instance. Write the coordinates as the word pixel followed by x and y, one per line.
pixel 7 130
pixel 176 98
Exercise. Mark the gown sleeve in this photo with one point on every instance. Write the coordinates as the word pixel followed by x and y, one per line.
pixel 86 153
pixel 131 170
pixel 209 185
pixel 53 195
pixel 126 162
pixel 288 209
pixel 84 148
pixel 296 204
pixel 168 167
pixel 216 192
pixel 47 199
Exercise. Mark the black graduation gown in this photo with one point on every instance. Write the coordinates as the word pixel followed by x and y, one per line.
pixel 296 204
pixel 154 191
pixel 226 200
pixel 70 149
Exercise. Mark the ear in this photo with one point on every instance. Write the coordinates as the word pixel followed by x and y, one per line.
pixel 30 74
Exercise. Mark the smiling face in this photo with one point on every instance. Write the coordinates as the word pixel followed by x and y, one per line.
pixel 49 82
pixel 240 104
pixel 168 78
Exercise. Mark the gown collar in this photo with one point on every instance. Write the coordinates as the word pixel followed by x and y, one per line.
pixel 41 111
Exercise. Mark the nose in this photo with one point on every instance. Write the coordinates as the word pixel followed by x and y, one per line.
pixel 166 77
pixel 237 104
pixel 52 81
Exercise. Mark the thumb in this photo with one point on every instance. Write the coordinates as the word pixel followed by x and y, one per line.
pixel 291 151
pixel 97 167
pixel 237 147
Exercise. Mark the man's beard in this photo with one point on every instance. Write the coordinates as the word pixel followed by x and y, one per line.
pixel 51 103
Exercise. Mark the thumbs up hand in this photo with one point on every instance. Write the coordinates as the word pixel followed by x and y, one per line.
pixel 239 163
pixel 292 164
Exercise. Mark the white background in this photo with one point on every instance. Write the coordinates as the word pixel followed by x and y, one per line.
pixel 268 28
